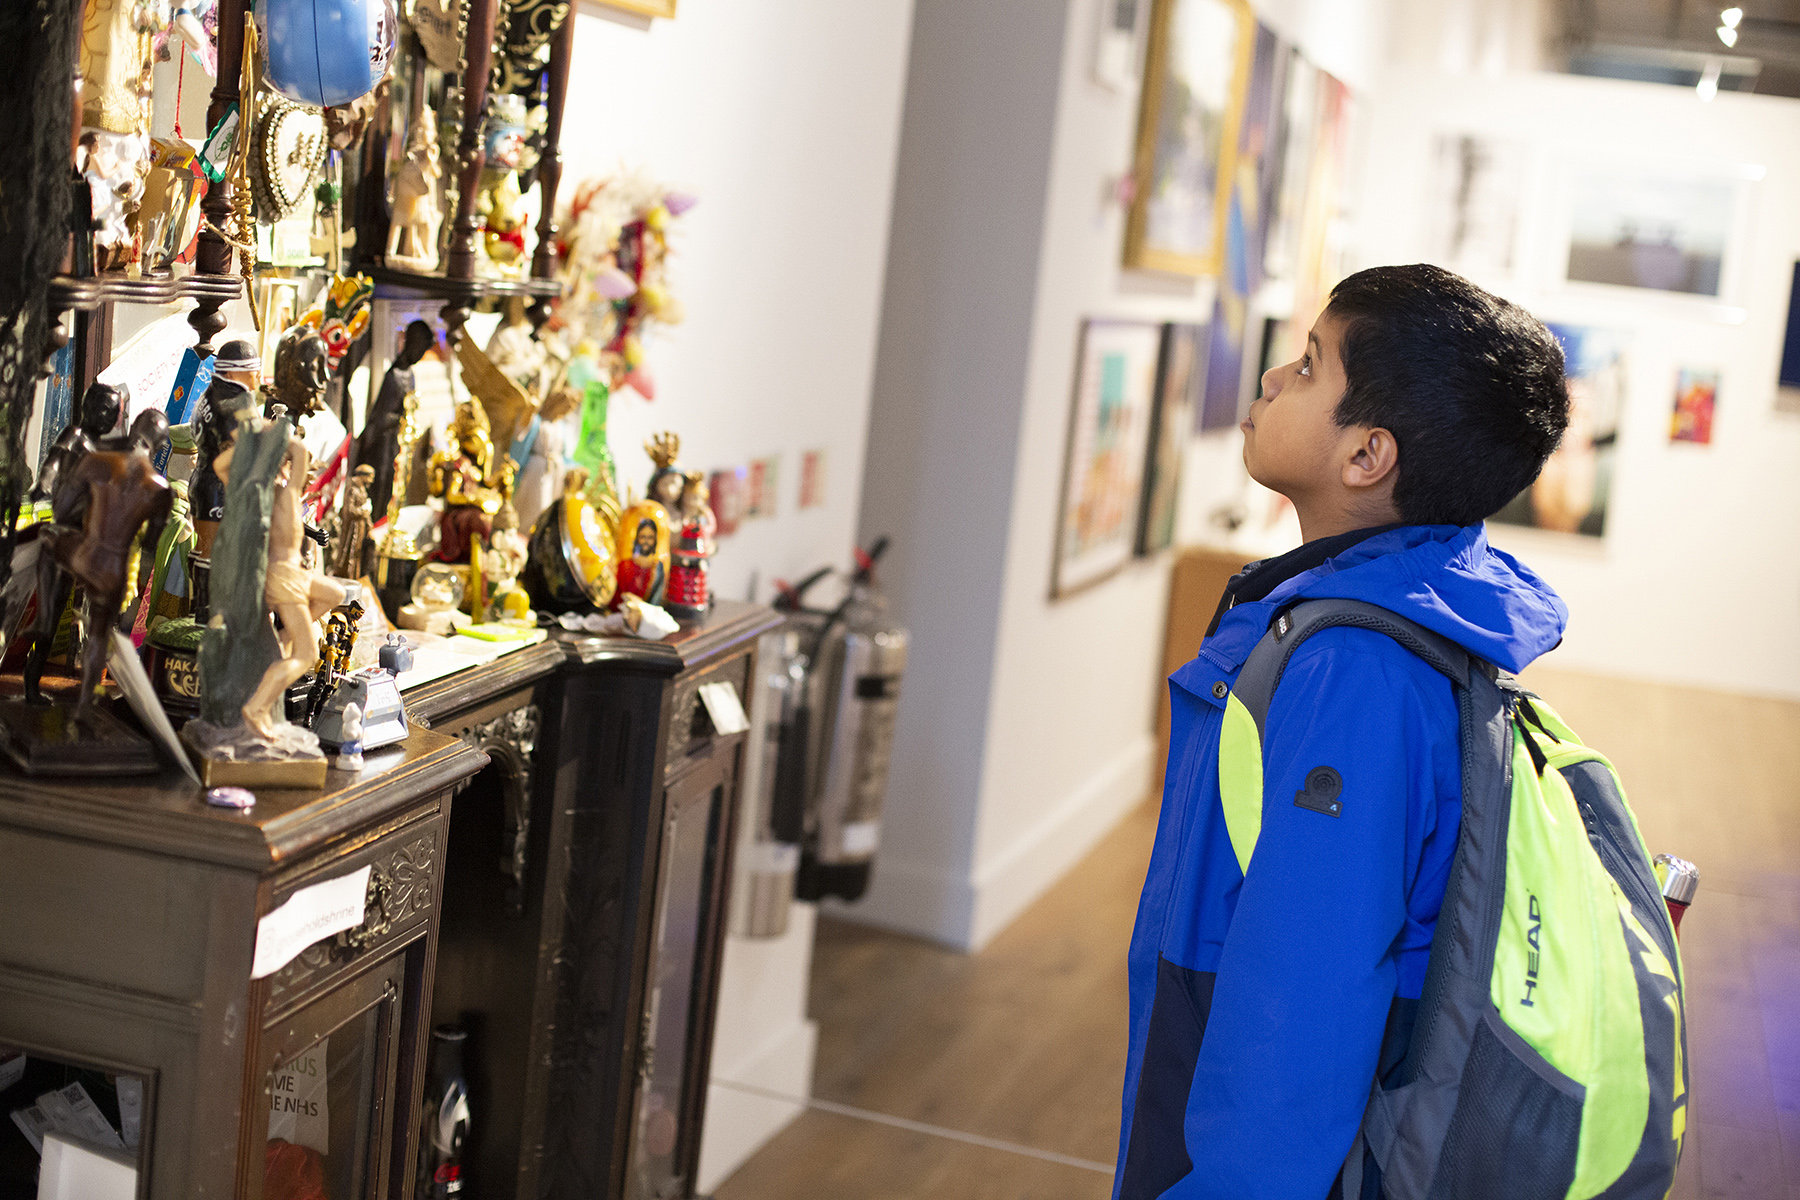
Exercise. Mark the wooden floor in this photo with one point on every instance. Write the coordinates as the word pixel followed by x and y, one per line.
pixel 1019 1050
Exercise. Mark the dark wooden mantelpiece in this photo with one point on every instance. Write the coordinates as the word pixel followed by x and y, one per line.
pixel 128 924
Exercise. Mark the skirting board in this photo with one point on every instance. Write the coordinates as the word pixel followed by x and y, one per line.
pixel 968 911
pixel 738 1124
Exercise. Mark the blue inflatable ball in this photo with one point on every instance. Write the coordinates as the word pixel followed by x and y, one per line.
pixel 326 52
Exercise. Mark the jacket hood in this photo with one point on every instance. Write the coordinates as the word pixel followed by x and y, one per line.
pixel 1444 577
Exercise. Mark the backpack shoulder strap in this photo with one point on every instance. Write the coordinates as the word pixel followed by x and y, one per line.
pixel 1247 707
pixel 1262 671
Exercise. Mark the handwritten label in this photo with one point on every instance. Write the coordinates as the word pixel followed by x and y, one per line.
pixel 310 914
pixel 298 1107
pixel 724 707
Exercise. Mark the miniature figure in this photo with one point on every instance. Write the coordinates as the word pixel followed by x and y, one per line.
pixel 101 405
pixel 688 592
pixel 238 361
pixel 351 546
pixel 98 508
pixel 501 564
pixel 498 201
pixel 378 447
pixel 295 596
pixel 668 482
pixel 644 572
pixel 460 478
pixel 350 750
pixel 216 418
pixel 302 369
pixel 542 454
pixel 413 231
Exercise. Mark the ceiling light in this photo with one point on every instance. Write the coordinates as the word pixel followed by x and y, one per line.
pixel 1727 34
pixel 1730 17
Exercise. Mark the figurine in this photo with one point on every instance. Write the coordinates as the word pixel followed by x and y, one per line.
pixel 297 597
pixel 688 593
pixel 101 405
pixel 98 509
pixel 644 572
pixel 216 418
pixel 498 201
pixel 542 454
pixel 302 369
pixel 349 751
pixel 378 447
pixel 436 605
pixel 501 564
pixel 668 482
pixel 351 545
pixel 459 477
pixel 238 361
pixel 413 231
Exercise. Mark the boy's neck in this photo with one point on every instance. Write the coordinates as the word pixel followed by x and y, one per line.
pixel 1330 519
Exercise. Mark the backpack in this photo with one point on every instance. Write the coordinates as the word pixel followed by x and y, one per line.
pixel 1546 1058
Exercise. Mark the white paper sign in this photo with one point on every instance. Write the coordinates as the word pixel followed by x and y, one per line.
pixel 724 707
pixel 310 914
pixel 298 1111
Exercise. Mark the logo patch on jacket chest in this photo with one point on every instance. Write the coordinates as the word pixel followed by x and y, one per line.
pixel 1321 792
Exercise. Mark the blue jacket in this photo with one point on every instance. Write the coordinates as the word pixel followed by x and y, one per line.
pixel 1259 999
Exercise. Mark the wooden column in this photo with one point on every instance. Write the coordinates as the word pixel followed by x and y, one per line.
pixel 549 171
pixel 213 255
pixel 478 54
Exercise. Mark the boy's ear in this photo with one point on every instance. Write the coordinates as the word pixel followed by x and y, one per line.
pixel 1374 460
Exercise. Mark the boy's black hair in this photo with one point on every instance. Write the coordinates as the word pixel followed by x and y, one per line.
pixel 1470 385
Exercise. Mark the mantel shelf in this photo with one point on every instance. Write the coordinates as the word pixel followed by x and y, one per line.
pixel 68 292
pixel 394 281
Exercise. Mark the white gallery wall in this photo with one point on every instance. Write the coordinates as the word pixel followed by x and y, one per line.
pixel 1696 580
pixel 1025 731
pixel 782 116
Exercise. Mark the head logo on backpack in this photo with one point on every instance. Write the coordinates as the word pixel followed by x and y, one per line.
pixel 1547 1056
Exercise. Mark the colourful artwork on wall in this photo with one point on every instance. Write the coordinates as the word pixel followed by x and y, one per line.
pixel 1255 176
pixel 1195 70
pixel 1696 391
pixel 1103 471
pixel 1573 490
pixel 1180 377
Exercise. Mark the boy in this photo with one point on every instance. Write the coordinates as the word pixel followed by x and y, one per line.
pixel 1260 993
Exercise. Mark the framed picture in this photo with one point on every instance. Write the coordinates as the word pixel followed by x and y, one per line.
pixel 1650 230
pixel 1180 377
pixel 1696 394
pixel 1571 493
pixel 1252 196
pixel 1296 130
pixel 1474 195
pixel 1195 71
pixel 1787 391
pixel 1103 471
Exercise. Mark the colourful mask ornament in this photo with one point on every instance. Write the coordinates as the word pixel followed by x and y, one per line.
pixel 342 315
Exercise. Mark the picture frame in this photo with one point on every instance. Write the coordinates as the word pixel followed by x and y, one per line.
pixel 1181 367
pixel 1196 69
pixel 1103 467
pixel 1652 232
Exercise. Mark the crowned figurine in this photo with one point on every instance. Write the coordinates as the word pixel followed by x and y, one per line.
pixel 460 478
pixel 688 593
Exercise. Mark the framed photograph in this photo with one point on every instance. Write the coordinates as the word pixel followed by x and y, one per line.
pixel 1195 71
pixel 1180 376
pixel 1696 393
pixel 1103 471
pixel 1787 391
pixel 1299 123
pixel 1655 231
pixel 1473 198
pixel 1571 494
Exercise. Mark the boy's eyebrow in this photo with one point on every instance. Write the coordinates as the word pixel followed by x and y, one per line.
pixel 1312 339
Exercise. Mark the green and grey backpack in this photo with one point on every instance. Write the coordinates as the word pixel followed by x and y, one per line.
pixel 1546 1059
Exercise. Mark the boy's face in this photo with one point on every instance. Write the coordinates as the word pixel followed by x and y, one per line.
pixel 1292 441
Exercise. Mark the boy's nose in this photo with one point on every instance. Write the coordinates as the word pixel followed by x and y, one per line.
pixel 1271 382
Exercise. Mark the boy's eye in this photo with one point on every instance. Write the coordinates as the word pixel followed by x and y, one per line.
pixel 1306 364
